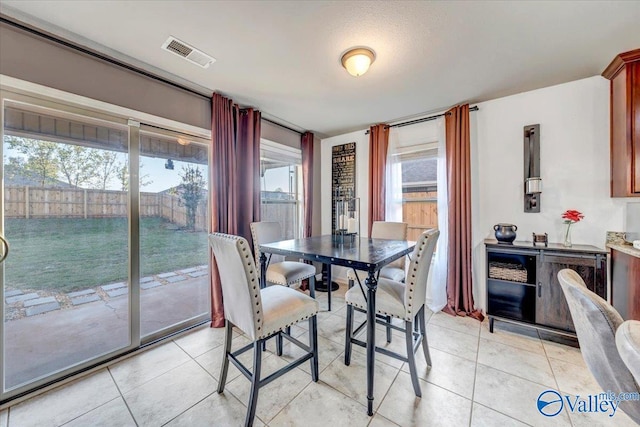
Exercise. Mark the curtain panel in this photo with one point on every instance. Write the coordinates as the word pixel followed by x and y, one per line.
pixel 378 147
pixel 306 145
pixel 459 268
pixel 235 180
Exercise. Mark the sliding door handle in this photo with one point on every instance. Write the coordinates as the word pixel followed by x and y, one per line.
pixel 5 251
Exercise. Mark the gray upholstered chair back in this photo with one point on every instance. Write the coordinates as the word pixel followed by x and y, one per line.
pixel 265 232
pixel 596 322
pixel 416 290
pixel 391 231
pixel 240 283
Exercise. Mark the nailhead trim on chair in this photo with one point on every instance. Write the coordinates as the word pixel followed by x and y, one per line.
pixel 258 318
pixel 409 286
pixel 256 248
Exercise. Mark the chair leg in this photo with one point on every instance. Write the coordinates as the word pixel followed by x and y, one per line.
pixel 388 319
pixel 312 286
pixel 255 383
pixel 425 344
pixel 313 341
pixel 228 335
pixel 279 344
pixel 411 357
pixel 347 334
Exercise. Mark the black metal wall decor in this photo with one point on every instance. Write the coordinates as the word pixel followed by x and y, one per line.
pixel 343 176
pixel 532 180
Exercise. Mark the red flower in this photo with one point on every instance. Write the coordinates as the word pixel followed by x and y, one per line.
pixel 572 216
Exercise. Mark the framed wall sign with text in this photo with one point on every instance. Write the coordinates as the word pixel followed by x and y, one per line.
pixel 343 175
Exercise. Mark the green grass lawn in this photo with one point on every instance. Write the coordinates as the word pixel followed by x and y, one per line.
pixel 70 254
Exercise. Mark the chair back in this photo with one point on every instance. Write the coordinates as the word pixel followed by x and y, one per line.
pixel 240 283
pixel 596 322
pixel 416 291
pixel 265 232
pixel 391 231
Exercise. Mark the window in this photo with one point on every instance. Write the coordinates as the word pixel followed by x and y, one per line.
pixel 281 187
pixel 413 182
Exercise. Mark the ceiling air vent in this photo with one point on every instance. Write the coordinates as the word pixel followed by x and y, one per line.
pixel 187 52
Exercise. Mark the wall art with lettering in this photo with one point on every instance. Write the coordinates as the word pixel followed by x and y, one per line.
pixel 343 175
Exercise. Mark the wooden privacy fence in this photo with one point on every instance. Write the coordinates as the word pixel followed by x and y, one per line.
pixel 420 211
pixel 52 202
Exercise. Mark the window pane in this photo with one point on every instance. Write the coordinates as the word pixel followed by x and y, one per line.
pixel 65 218
pixel 419 192
pixel 281 195
pixel 174 275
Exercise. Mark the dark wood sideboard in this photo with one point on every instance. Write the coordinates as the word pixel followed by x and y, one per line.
pixel 523 287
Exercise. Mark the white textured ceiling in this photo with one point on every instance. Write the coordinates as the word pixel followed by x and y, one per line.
pixel 284 57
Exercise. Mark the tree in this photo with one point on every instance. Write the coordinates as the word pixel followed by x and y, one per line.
pixel 77 164
pixel 41 159
pixel 192 192
pixel 108 166
pixel 123 177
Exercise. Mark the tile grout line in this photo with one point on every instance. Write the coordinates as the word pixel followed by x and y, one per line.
pixel 553 373
pixel 122 397
pixel 384 397
pixel 475 376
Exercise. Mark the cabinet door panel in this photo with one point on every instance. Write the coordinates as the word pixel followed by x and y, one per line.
pixel 551 306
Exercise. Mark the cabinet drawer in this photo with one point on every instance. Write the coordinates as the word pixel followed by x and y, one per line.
pixel 511 300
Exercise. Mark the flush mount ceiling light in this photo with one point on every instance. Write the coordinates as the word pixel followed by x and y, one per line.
pixel 357 60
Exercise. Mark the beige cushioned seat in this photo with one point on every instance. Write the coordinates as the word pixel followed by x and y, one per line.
pixel 284 307
pixel 389 298
pixel 279 271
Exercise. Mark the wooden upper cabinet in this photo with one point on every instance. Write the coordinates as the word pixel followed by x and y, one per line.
pixel 624 73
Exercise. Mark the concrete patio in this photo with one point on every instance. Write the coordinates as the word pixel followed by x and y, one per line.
pixel 49 333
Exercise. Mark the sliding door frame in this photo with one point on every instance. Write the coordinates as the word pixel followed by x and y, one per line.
pixel 17 91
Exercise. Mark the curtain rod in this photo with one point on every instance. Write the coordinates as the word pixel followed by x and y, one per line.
pixel 424 119
pixel 282 126
pixel 99 56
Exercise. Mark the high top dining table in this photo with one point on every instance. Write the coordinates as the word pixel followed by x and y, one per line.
pixel 363 254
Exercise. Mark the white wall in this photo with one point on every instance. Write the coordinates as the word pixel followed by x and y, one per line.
pixel 574 159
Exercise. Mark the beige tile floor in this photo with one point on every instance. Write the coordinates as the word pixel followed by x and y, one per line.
pixel 477 379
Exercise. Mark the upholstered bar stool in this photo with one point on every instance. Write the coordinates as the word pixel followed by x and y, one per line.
pixel 259 313
pixel 279 271
pixel 393 271
pixel 402 301
pixel 596 323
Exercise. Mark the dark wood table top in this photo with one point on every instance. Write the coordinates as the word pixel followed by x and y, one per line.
pixel 540 246
pixel 361 254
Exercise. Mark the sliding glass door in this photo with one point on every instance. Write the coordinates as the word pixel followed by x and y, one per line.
pixel 107 224
pixel 174 194
pixel 65 280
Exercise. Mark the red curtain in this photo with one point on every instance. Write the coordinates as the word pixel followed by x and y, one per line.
pixel 235 180
pixel 378 145
pixel 458 152
pixel 306 145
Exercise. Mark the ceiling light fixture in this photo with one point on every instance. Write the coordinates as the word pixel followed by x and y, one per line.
pixel 357 60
